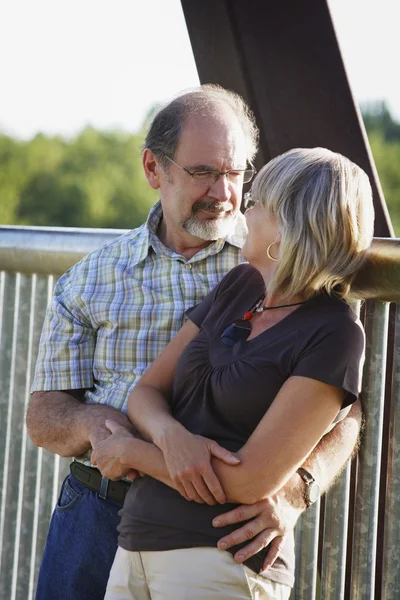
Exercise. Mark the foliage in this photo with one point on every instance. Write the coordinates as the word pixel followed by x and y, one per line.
pixel 96 179
pixel 384 137
pixel 93 180
pixel 377 118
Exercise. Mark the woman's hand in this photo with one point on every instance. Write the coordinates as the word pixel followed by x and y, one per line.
pixel 108 455
pixel 188 460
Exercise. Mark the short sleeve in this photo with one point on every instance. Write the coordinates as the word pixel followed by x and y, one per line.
pixel 335 356
pixel 67 343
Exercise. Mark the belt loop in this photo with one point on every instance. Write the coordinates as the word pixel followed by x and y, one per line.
pixel 104 488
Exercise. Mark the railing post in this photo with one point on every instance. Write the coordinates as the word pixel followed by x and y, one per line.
pixel 367 491
pixel 334 542
pixel 306 544
pixel 391 543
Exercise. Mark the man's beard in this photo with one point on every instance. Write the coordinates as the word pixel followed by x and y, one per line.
pixel 210 229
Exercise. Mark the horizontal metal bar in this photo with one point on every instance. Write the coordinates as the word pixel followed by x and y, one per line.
pixel 45 250
pixel 380 278
pixel 49 250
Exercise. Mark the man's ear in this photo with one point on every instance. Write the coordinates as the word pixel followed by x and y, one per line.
pixel 151 168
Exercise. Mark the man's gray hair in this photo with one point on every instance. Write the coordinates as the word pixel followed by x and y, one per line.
pixel 166 128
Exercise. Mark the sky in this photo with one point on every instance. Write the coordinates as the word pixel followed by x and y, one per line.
pixel 68 64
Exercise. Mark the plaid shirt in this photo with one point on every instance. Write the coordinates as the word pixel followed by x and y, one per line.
pixel 114 311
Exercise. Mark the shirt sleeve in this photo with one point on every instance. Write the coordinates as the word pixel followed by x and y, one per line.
pixel 335 356
pixel 67 343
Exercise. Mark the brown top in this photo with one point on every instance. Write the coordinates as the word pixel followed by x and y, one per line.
pixel 222 392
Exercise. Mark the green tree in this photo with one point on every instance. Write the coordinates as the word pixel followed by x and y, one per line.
pixel 377 118
pixel 96 179
pixel 93 180
pixel 387 160
pixel 49 199
pixel 384 137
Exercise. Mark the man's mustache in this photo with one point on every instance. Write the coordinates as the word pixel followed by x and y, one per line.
pixel 217 207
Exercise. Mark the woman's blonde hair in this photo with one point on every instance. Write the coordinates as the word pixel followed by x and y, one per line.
pixel 323 205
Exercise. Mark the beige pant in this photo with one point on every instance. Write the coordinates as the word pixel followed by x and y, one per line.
pixel 192 573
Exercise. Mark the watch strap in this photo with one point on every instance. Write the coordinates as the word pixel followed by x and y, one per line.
pixel 309 481
pixel 305 475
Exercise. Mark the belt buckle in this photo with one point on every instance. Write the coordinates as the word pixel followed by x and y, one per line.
pixel 104 488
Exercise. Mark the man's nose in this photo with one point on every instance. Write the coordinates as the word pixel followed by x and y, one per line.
pixel 220 189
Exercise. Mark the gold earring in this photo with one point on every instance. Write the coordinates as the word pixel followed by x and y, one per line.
pixel 269 253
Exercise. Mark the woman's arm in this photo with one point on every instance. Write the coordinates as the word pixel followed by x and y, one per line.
pixel 121 451
pixel 265 522
pixel 298 418
pixel 178 458
pixel 148 406
pixel 300 414
pixel 291 428
pixel 293 425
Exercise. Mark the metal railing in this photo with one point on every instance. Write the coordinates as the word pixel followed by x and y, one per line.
pixel 347 545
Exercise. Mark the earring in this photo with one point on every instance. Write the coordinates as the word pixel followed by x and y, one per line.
pixel 269 253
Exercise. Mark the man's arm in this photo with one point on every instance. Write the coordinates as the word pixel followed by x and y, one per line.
pixel 272 518
pixel 61 422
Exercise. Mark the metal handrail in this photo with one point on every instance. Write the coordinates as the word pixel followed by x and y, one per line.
pixel 30 259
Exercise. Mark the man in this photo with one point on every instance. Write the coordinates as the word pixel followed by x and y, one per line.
pixel 113 312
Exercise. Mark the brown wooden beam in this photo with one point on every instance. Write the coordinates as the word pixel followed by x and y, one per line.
pixel 284 59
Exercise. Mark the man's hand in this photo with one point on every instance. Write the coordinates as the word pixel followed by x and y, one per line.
pixel 98 414
pixel 188 460
pixel 271 519
pixel 109 452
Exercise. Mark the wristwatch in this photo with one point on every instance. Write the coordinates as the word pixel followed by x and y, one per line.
pixel 312 490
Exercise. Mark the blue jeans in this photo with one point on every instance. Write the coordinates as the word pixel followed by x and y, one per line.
pixel 80 547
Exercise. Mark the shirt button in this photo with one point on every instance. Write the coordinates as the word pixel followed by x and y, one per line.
pixel 188 267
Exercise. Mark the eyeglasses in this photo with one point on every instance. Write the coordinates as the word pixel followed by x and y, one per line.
pixel 238 331
pixel 248 201
pixel 210 176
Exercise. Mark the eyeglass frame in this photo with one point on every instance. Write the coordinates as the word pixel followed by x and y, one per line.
pixel 216 174
pixel 248 201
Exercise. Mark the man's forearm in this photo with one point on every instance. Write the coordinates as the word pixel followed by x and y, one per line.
pixel 328 458
pixel 61 422
pixel 53 422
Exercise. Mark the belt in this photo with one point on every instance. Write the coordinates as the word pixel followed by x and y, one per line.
pixel 92 479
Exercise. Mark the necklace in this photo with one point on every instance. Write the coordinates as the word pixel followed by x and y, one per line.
pixel 249 314
pixel 240 329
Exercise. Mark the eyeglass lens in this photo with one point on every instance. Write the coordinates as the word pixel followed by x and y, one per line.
pixel 203 176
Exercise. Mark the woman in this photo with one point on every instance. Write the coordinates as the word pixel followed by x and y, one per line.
pixel 263 366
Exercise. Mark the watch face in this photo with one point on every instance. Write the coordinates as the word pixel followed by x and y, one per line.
pixel 313 492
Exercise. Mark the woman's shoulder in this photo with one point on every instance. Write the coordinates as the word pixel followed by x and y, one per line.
pixel 332 307
pixel 334 318
pixel 241 276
